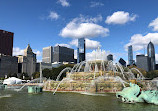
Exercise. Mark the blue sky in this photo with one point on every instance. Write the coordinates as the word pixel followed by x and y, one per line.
pixel 110 24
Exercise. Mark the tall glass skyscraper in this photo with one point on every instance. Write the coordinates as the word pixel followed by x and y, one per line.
pixel 81 50
pixel 151 55
pixel 130 55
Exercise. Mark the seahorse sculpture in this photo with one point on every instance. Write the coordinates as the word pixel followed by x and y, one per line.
pixel 134 94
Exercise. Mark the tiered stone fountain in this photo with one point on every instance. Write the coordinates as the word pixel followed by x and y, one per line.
pixel 98 75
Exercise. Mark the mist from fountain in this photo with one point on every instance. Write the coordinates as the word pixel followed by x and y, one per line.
pixel 100 65
pixel 141 77
pixel 37 80
pixel 65 79
pixel 67 69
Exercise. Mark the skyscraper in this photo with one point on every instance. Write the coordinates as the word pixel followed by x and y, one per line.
pixel 63 54
pixel 81 50
pixel 122 62
pixel 110 57
pixel 142 61
pixel 130 55
pixel 47 54
pixel 151 55
pixel 6 42
pixel 8 65
pixel 27 63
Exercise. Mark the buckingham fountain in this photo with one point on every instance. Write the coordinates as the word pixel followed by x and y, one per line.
pixel 95 76
pixel 99 75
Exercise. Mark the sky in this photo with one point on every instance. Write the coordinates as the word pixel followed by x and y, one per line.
pixel 111 25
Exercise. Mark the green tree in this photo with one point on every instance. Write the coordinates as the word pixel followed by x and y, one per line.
pixel 54 72
pixel 14 75
pixel 36 75
pixel 152 74
pixel 46 73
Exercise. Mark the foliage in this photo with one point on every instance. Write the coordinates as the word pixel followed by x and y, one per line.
pixel 12 75
pixel 26 76
pixel 152 74
pixel 52 74
pixel 136 72
pixel 36 75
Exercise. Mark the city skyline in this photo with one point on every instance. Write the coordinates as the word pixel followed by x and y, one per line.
pixel 53 22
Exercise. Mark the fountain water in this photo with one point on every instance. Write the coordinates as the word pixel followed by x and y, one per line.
pixel 99 74
pixel 141 77
pixel 67 69
pixel 32 81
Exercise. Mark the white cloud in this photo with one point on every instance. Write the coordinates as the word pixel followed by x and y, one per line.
pixel 39 60
pixel 156 58
pixel 96 4
pixel 90 44
pixel 95 54
pixel 17 51
pixel 65 45
pixel 38 53
pixel 120 17
pixel 138 41
pixel 53 15
pixel 154 24
pixel 64 3
pixel 75 54
pixel 88 19
pixel 83 27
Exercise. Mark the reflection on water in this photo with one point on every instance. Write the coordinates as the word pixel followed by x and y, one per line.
pixel 94 94
pixel 22 101
pixel 5 96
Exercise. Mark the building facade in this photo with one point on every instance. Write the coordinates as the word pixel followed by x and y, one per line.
pixel 6 42
pixel 110 57
pixel 28 61
pixel 122 62
pixel 130 55
pixel 42 65
pixel 142 61
pixel 47 54
pixel 81 50
pixel 151 55
pixel 8 65
pixel 63 54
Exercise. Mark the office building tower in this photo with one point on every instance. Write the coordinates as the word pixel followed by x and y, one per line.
pixel 151 55
pixel 8 65
pixel 122 62
pixel 110 57
pixel 142 61
pixel 42 65
pixel 47 56
pixel 81 50
pixel 27 63
pixel 6 42
pixel 130 55
pixel 63 54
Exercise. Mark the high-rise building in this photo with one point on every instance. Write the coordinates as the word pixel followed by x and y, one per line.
pixel 110 57
pixel 43 65
pixel 47 54
pixel 151 55
pixel 63 54
pixel 81 50
pixel 8 65
pixel 122 62
pixel 142 61
pixel 130 55
pixel 27 63
pixel 6 42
